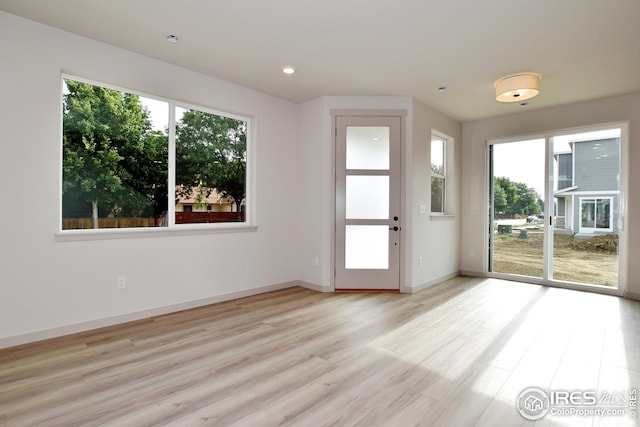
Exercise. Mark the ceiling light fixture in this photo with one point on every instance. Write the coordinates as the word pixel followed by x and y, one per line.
pixel 172 38
pixel 517 87
pixel 288 69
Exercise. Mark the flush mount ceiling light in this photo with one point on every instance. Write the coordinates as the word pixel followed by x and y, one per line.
pixel 517 87
pixel 288 69
pixel 172 38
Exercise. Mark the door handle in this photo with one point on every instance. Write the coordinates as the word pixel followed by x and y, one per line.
pixel 396 228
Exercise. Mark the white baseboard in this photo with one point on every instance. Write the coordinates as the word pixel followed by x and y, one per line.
pixel 431 283
pixel 129 317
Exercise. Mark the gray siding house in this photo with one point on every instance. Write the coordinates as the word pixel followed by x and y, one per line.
pixel 588 191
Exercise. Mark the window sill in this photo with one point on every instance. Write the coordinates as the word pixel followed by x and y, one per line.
pixel 136 233
pixel 442 217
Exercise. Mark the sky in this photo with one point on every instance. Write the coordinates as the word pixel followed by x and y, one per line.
pixel 521 161
pixel 159 112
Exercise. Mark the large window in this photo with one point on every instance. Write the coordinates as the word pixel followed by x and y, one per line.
pixel 118 149
pixel 438 174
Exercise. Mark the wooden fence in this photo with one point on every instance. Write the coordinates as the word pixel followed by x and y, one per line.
pixel 181 218
pixel 207 217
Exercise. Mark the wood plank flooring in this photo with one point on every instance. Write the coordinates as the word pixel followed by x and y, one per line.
pixel 457 354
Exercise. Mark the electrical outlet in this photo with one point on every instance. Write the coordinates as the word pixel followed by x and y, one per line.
pixel 316 261
pixel 421 261
pixel 472 252
pixel 423 209
pixel 121 282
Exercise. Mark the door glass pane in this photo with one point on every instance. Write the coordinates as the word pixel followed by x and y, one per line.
pixel 368 147
pixel 367 197
pixel 517 202
pixel 586 189
pixel 367 247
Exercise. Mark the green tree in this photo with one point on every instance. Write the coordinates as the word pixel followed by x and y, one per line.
pixel 540 203
pixel 527 200
pixel 211 153
pixel 499 199
pixel 112 161
pixel 514 198
pixel 151 173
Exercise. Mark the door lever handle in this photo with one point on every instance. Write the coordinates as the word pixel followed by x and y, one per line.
pixel 396 228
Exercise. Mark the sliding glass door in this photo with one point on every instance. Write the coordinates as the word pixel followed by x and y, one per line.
pixel 555 208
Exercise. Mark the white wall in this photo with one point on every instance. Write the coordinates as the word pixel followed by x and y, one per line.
pixel 48 285
pixel 474 169
pixel 435 239
pixel 313 177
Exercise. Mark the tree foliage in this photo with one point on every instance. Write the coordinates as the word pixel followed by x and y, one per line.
pixel 211 153
pixel 514 198
pixel 113 163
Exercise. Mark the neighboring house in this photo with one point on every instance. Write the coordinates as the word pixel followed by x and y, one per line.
pixel 197 202
pixel 588 193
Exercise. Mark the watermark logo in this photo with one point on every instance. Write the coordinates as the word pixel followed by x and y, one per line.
pixel 533 403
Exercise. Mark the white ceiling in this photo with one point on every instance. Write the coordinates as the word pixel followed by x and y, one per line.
pixel 584 49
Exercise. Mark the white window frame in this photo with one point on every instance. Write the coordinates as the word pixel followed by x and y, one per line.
pixel 249 224
pixel 447 161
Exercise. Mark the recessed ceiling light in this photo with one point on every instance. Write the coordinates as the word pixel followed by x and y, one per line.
pixel 172 38
pixel 442 89
pixel 288 69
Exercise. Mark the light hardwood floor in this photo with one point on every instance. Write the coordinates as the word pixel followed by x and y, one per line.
pixel 457 354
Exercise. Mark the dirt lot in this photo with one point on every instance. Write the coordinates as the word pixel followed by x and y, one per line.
pixel 593 261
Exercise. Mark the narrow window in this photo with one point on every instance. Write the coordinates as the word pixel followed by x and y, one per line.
pixel 438 174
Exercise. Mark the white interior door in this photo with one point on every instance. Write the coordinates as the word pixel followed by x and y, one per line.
pixel 368 186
